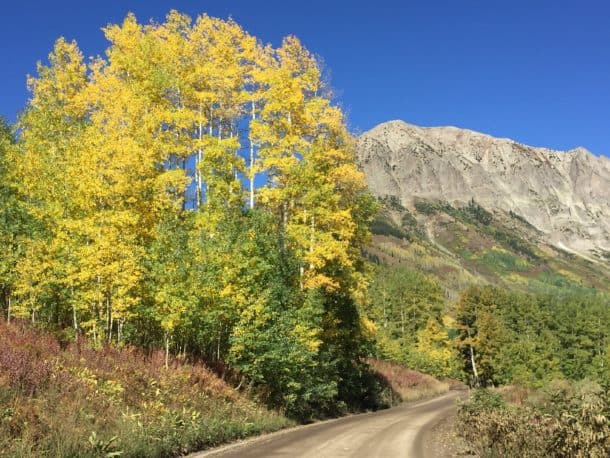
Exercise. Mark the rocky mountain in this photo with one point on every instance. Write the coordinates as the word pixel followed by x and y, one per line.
pixel 565 196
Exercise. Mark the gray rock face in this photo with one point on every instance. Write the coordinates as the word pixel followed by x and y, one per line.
pixel 566 195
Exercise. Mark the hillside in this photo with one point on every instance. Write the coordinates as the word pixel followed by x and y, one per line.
pixel 564 195
pixel 66 399
pixel 460 246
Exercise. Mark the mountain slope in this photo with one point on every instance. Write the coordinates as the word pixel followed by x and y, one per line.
pixel 465 245
pixel 565 196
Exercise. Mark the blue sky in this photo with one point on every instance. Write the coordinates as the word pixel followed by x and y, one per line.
pixel 534 71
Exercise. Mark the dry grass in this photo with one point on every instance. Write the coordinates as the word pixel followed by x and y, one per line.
pixel 516 394
pixel 564 419
pixel 409 384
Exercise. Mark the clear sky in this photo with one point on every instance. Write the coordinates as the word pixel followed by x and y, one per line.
pixel 535 71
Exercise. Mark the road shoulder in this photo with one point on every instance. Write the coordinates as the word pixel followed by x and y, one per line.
pixel 441 440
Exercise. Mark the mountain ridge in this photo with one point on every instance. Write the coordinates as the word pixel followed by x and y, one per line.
pixel 579 148
pixel 564 194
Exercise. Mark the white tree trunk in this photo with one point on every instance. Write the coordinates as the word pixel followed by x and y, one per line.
pixel 74 320
pixel 166 350
pixel 198 161
pixel 108 320
pixel 474 367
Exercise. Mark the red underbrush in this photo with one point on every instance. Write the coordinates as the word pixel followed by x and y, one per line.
pixel 407 384
pixel 73 400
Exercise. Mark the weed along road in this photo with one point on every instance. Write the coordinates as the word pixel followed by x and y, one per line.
pixel 398 432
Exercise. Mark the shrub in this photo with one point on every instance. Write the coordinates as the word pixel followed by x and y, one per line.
pixel 24 359
pixel 566 420
pixel 478 213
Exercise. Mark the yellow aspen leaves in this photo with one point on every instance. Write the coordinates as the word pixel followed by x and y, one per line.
pixel 180 117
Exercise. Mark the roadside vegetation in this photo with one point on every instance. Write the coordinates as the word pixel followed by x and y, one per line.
pixel 564 419
pixel 60 397
pixel 65 399
pixel 406 384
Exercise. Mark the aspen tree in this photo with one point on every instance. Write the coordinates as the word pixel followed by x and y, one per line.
pixel 13 220
pixel 120 187
pixel 224 44
pixel 172 104
pixel 52 129
pixel 314 185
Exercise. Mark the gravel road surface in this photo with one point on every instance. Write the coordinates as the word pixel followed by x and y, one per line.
pixel 401 431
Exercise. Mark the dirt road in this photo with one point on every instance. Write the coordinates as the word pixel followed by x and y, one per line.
pixel 398 432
